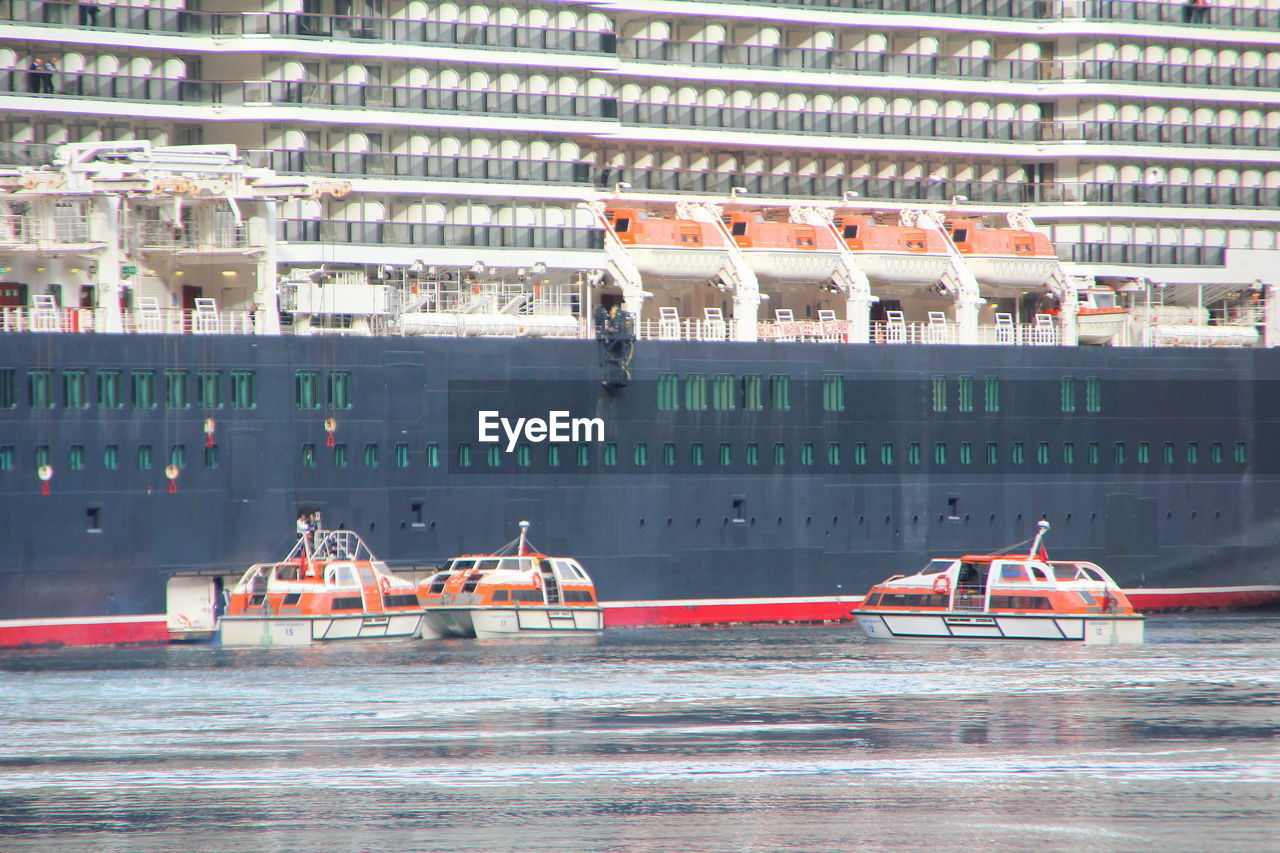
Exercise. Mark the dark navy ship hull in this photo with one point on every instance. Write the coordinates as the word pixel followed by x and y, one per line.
pixel 859 461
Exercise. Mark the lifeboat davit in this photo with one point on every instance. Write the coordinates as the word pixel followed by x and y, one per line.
pixel 666 247
pixel 1004 596
pixel 515 592
pixel 1003 257
pixel 784 251
pixel 894 254
pixel 335 590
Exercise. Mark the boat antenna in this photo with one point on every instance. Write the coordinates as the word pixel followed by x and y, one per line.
pixel 1037 548
pixel 524 528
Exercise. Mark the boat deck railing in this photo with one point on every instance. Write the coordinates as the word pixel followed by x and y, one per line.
pixel 172 321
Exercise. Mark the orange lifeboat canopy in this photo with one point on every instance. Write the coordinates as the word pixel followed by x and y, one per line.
pixel 753 231
pixel 635 227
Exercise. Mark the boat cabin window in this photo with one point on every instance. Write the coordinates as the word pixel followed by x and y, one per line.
pixel 461 565
pixel 973 574
pixel 437 583
pixel 569 570
pixel 622 225
pixel 935 566
pixel 1013 572
pixel 516 564
pixel 501 595
pixel 960 235
pixel 533 596
pixel 739 228
pixel 286 573
pixel 486 565
pixel 851 232
pixel 341 575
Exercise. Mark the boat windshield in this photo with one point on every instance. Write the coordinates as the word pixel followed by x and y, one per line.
pixel 462 565
pixel 486 565
pixel 569 570
pixel 516 564
pixel 935 566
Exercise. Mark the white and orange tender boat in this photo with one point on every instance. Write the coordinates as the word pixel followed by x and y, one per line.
pixel 513 592
pixel 334 591
pixel 1002 597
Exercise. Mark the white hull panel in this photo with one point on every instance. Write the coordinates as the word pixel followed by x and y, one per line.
pixel 495 622
pixel 987 626
pixel 1100 328
pixel 802 267
pixel 998 272
pixel 306 630
pixel 674 263
pixel 902 267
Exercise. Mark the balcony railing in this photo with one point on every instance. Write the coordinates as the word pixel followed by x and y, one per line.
pixel 136 321
pixel 418 234
pixel 422 166
pixel 26 229
pixel 1142 255
pixel 139 17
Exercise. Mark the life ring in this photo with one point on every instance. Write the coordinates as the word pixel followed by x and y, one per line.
pixel 942 585
pixel 385 583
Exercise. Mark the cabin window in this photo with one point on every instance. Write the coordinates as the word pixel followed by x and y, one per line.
pixel 1193 453
pixel 913 453
pixel 529 596
pixel 833 453
pixel 940 453
pixel 873 599
pixel 175 390
pixel 39 386
pixel 111 457
pixel 964 393
pixel 1117 453
pixel 433 455
pixel 860 453
pixel 939 393
pixel 668 393
pixel 75 389
pixel 500 595
pixel 371 456
pixel 726 454
pixel 6 457
pixel 243 390
pixel 695 454
pixel 1042 452
pixel 524 455
pixel 738 229
pixel 8 394
pixel 966 453
pixel 340 455
pixel 178 455
pixel 753 453
pixel 669 454
pixel 722 393
pixel 640 454
pixel 209 388
pixel 75 457
pixel 1093 394
pixel 578 596
pixel 1093 453
pixel 850 232
pixel 886 453
pixel 695 392
pixel 1017 455
pixel 308 456
pixel 515 564
pixel 1166 453
pixel 1068 453
pixel 753 393
pixel 991 394
pixel 1215 453
pixel 622 225
pixel 340 389
pixel 1013 572
pixel 211 456
pixel 493 456
pixel 109 389
pixel 306 389
pixel 1067 391
pixel 144 389
pixel 402 455
pixel 993 453
pixel 144 457
pixel 584 455
pixel 42 455
pixel 960 235
pixel 1240 453
pixel 553 456
pixel 780 393
pixel 611 454
pixel 1144 453
pixel 833 394
pixel 779 453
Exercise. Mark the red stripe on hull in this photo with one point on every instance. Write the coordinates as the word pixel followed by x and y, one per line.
pixel 83 633
pixel 729 612
pixel 1240 598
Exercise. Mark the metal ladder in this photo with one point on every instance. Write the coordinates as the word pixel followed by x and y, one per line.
pixel 551 585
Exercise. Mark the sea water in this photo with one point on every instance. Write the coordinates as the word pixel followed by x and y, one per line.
pixel 799 738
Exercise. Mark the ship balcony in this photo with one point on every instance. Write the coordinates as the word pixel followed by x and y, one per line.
pixel 147 320
pixel 156 236
pixel 1141 254
pixel 535 30
pixel 30 232
pixel 440 234
pixel 437 167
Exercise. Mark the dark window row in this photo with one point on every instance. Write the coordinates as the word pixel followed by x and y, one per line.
pixel 307 385
pixel 78 457
pixel 141 389
pixel 371 455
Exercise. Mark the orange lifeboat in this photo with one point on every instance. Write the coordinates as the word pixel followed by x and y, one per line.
pixel 894 254
pixel 783 251
pixel 513 592
pixel 1002 596
pixel 667 247
pixel 334 591
pixel 1003 257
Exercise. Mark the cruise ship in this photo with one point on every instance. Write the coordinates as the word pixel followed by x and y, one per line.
pixel 745 304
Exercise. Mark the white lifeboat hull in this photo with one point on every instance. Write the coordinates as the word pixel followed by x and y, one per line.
pixel 952 626
pixel 673 262
pixel 1000 271
pixel 490 622
pixel 299 630
pixel 1100 326
pixel 902 267
pixel 803 267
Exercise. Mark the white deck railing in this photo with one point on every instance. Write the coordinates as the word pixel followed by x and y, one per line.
pixel 134 321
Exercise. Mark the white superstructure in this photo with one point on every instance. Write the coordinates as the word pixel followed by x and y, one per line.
pixel 450 154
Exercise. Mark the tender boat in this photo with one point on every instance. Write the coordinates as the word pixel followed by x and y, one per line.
pixel 513 592
pixel 334 591
pixel 1002 597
